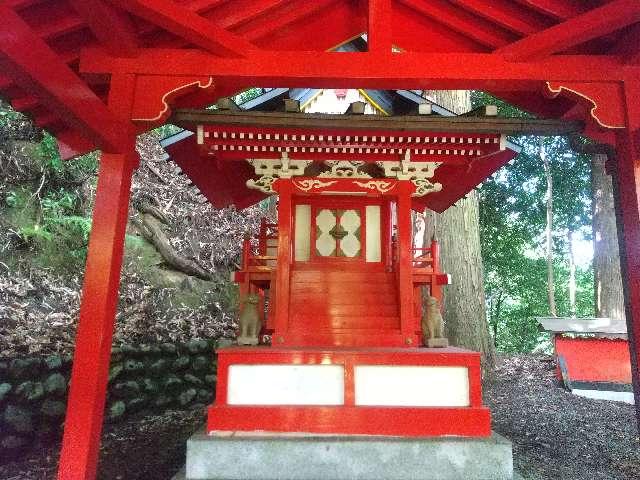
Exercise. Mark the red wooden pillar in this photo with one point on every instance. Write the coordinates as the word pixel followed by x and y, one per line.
pixel 285 190
pixel 628 213
pixel 85 407
pixel 405 262
pixel 90 372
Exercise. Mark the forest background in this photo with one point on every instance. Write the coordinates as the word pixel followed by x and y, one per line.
pixel 537 235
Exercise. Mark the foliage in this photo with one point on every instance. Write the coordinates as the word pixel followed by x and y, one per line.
pixel 512 223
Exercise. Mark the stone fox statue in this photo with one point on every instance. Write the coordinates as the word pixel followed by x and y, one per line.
pixel 433 325
pixel 249 321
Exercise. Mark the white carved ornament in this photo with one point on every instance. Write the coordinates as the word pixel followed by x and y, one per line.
pixel 344 169
pixel 381 186
pixel 312 184
pixel 270 170
pixel 417 172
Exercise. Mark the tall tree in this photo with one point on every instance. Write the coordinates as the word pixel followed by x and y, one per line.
pixel 609 300
pixel 457 230
pixel 551 289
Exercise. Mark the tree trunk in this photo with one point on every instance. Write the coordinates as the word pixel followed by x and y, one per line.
pixel 572 275
pixel 551 289
pixel 609 300
pixel 457 230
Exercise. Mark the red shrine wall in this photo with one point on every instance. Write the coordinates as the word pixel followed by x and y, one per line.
pixel 595 359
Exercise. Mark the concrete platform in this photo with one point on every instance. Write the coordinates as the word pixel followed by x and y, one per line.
pixel 313 457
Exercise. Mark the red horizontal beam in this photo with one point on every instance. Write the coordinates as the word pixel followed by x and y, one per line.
pixel 367 70
pixel 575 31
pixel 30 62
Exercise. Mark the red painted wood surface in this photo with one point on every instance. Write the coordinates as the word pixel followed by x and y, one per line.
pixel 595 359
pixel 628 204
pixel 87 391
pixel 472 421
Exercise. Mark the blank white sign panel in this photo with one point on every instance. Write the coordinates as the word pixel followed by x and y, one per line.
pixel 411 386
pixel 285 385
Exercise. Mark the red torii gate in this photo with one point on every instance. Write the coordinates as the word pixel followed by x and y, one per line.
pixel 96 72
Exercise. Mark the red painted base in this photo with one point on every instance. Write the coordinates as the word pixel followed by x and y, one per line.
pixel 392 421
pixel 473 420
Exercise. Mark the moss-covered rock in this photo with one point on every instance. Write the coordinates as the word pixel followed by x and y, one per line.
pixel 181 363
pixel 201 363
pixel 210 379
pixel 193 380
pixel 136 404
pixel 5 389
pixel 30 391
pixel 197 346
pixel 186 397
pixel 126 389
pixel 115 371
pixel 55 384
pixel 116 410
pixel 159 367
pixel 168 348
pixel 132 366
pixel 19 419
pixel 53 362
pixel 53 408
pixel 173 384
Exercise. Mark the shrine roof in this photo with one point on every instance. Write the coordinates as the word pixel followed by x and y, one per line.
pixel 465 157
pixel 59 57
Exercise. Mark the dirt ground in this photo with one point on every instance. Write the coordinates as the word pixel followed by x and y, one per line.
pixel 555 435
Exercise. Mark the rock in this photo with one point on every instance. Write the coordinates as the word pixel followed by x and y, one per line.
pixel 173 384
pixel 30 391
pixel 13 442
pixel 186 397
pixel 19 419
pixel 5 388
pixel 53 362
pixel 53 408
pixel 201 363
pixel 116 410
pixel 18 369
pixel 168 348
pixel 55 384
pixel 115 371
pixel 210 379
pixel 145 349
pixel 162 400
pixel 225 342
pixel 193 380
pixel 116 354
pixel 4 371
pixel 126 389
pixel 159 367
pixel 197 346
pixel 136 404
pixel 150 386
pixel 128 350
pixel 180 363
pixel 133 366
pixel 205 395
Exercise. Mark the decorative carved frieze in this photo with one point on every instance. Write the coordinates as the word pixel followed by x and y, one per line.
pixel 382 186
pixel 309 184
pixel 344 169
pixel 417 172
pixel 270 170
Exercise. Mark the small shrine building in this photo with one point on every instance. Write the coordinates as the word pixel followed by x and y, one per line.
pixel 96 73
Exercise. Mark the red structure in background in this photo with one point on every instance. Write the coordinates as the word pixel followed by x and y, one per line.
pixel 95 73
pixel 595 360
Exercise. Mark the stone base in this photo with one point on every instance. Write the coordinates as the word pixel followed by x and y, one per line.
pixel 244 456
pixel 437 343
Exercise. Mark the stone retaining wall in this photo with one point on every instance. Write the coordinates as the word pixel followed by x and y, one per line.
pixel 33 390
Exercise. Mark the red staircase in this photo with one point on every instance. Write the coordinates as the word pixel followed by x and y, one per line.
pixel 342 306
